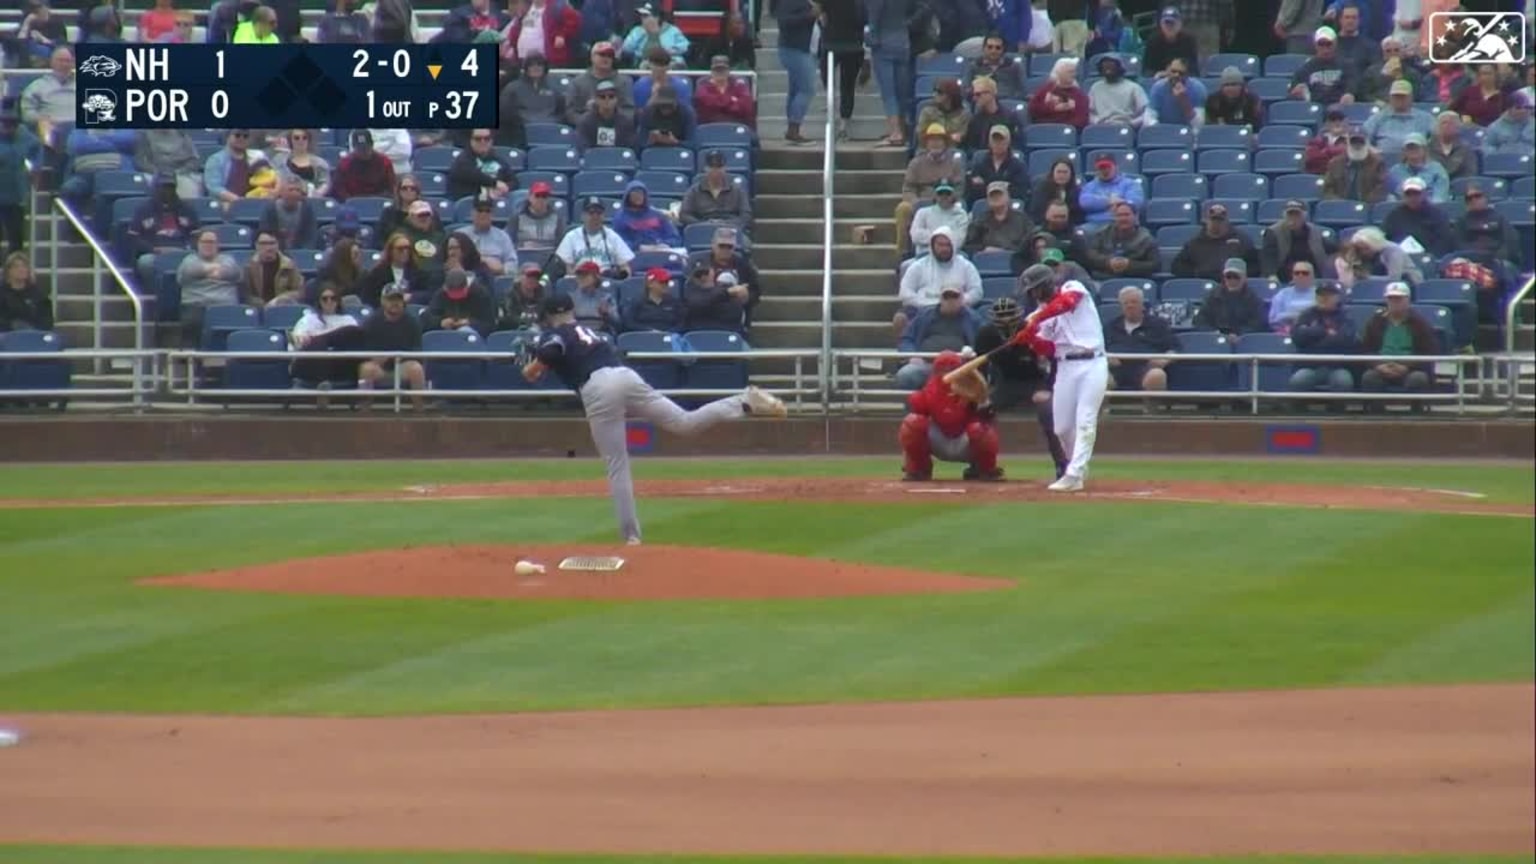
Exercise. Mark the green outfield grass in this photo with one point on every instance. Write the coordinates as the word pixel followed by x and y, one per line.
pixel 104 855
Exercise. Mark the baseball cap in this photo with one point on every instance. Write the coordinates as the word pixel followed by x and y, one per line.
pixel 1520 99
pixel 1413 140
pixel 587 266
pixel 605 48
pixel 484 202
pixel 1234 265
pixel 1398 289
pixel 1294 204
pixel 1001 131
pixel 726 279
pixel 1216 211
pixel 1356 133
pixel 944 188
pixel 605 86
pixel 998 186
pixel 1325 34
pixel 1231 75
pixel 714 159
pixel 1400 87
pixel 1052 256
pixel 719 61
pixel 935 130
pixel 724 237
pixel 555 304
pixel 1333 114
pixel 532 269
pixel 1327 287
pixel 1171 13
pixel 1413 184
pixel 456 285
pixel 658 274
pixel 594 204
pixel 540 188
pixel 418 207
pixel 645 10
pixel 347 221
pixel 1103 162
pixel 392 289
pixel 362 138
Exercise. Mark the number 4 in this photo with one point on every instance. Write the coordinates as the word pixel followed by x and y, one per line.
pixel 471 63
pixel 585 336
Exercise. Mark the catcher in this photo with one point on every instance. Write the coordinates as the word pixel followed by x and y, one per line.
pixel 951 422
pixel 1018 375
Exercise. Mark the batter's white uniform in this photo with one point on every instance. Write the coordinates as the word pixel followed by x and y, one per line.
pixel 1082 375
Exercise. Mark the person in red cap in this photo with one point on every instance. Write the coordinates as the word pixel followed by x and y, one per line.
pixel 520 308
pixel 1109 187
pixel 461 304
pixel 593 301
pixel 660 309
pixel 536 223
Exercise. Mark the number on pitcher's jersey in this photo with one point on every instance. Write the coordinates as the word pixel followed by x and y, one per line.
pixel 573 352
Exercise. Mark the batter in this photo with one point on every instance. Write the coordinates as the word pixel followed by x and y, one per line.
pixel 1066 326
pixel 612 393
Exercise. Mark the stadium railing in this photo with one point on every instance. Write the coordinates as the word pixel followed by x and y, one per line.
pixel 828 226
pixel 100 262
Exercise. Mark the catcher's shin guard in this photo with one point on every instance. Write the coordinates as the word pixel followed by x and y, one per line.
pixel 984 447
pixel 916 451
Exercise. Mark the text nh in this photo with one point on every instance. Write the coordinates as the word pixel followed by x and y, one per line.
pixel 149 64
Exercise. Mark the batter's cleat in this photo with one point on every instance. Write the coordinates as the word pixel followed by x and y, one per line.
pixel 632 541
pixel 972 474
pixel 1067 483
pixel 761 403
pixel 913 477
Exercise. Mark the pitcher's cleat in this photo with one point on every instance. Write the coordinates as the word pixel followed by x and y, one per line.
pixel 761 403
pixel 1067 483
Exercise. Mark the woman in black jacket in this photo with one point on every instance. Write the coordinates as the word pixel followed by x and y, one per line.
pixel 23 305
pixel 842 33
pixel 733 41
pixel 1058 184
pixel 398 265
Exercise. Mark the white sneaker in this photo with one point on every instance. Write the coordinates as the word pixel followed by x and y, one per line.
pixel 765 404
pixel 632 541
pixel 1067 483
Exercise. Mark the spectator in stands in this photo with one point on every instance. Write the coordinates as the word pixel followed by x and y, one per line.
pixel 723 99
pixel 1293 299
pixel 1484 100
pixel 1066 269
pixel 842 39
pixel 1124 248
pixel 1293 239
pixel 1064 236
pixel 1417 217
pixel 459 253
pixel 397 267
pixel 1059 185
pixel 1448 149
pixel 394 21
pixel 272 278
pixel 1485 231
pixel 537 224
pixel 520 308
pixel 797 22
pixel 1294 24
pixel 1398 331
pixel 581 93
pixel 163 223
pixel 936 164
pixel 1170 42
pixel 946 211
pixel 1116 98
pixel 946 109
pixel 715 299
pixel 1324 78
pixel 480 170
pixel 593 240
pixel 1377 79
pixel 461 304
pixel 925 278
pixel 1177 98
pixel 1108 188
pixel 593 300
pixel 665 121
pixel 261 29
pixel 643 227
pixel 1355 48
pixel 606 125
pixel 1324 328
pixel 948 325
pixel 342 26
pixel 1388 130
pixel 493 246
pixel 340 273
pixel 475 21
pixel 653 32
pixel 1002 228
pixel 997 163
pixel 1444 82
pixel 531 97
pixel 890 50
pixel 40 33
pixel 172 152
pixel 395 145
pixel 207 278
pixel 734 43
pixel 95 151
pixel 549 28
pixel 1358 174
pixel 1233 104
pixel 1133 331
pixel 1416 165
pixel 326 327
pixel 1006 72
pixel 18 146
pixel 962 25
pixel 1330 142
pixel 49 101
pixel 291 218
pixel 659 308
pixel 725 254
pixel 23 304
pixel 715 197
pixel 1369 253
pixel 397 214
pixel 364 173
pixel 1060 99
pixel 428 241
pixel 987 114
pixel 1231 308
pixel 296 160
pixel 227 172
pixel 1207 252
pixel 1515 132
pixel 393 330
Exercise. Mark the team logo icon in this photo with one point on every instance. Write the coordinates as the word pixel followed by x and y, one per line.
pixel 101 67
pixel 1477 37
pixel 100 107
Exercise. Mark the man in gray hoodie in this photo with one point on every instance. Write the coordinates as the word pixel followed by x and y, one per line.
pixel 579 93
pixel 170 151
pixel 1116 98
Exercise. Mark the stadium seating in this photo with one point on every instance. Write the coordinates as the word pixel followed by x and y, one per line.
pixel 566 160
pixel 1109 289
pixel 610 159
pixel 1198 375
pixel 1273 377
pixel 1159 162
pixel 452 374
pixel 998 287
pixel 1165 136
pixel 252 374
pixel 661 374
pixel 1307 114
pixel 1108 136
pixel 33 374
pixel 715 374
pixel 550 135
pixel 1221 137
pixel 1217 63
pixel 1508 165
pixel 1275 163
pixel 723 136
pixel 1168 211
pixel 1189 186
pixel 1340 214
pixel 1270 90
pixel 1249 187
pixel 668 159
pixel 433 159
pixel 1302 187
pixel 220 321
pixel 1185 290
pixel 1239 210
pixel 1222 161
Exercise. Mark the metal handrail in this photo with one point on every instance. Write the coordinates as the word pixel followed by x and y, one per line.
pixel 99 257
pixel 1512 311
pixel 828 171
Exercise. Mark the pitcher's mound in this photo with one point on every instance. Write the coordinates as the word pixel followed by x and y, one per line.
pixel 648 573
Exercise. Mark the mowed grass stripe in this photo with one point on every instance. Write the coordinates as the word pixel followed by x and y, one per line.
pixel 1514 482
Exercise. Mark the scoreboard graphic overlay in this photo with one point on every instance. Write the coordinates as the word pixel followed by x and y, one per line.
pixel 126 86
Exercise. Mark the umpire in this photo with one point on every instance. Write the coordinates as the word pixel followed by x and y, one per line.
pixel 1017 376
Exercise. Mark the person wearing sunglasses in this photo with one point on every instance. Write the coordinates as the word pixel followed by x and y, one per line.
pixel 480 170
pixel 395 217
pixel 227 173
pixel 298 160
pixel 397 267
pixel 364 172
pixel 325 327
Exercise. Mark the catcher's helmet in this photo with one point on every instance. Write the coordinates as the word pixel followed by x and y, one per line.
pixel 1005 312
pixel 1038 281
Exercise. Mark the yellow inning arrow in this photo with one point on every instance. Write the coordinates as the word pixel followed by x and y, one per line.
pixel 434 70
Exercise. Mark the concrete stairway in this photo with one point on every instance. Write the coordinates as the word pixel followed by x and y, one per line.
pixel 867 123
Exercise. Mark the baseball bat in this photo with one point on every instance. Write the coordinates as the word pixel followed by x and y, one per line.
pixel 980 360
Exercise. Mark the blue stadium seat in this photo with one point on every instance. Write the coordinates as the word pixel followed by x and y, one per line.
pixel 1293 113
pixel 1109 136
pixel 667 159
pixel 1165 136
pixel 1372 292
pixel 281 318
pixel 220 321
pixel 1456 295
pixel 164 287
pixel 1108 311
pixel 209 210
pixel 1125 160
pixel 737 160
pixel 661 374
pixel 1109 290
pixel 550 135
pixel 1132 63
pixel 1212 162
pixel 1240 211
pixel 1252 230
pixel 1302 187
pixel 453 374
pixel 700 235
pixel 998 287
pixel 626 291
pixel 433 184
pixel 723 135
pixel 566 160
pixel 1357 112
pixel 246 212
pixel 604 184
pixel 1508 165
pixel 993 263
pixel 121 221
pixel 433 159
pixel 1272 210
pixel 1283 65
pixel 252 374
pixel 1188 290
pixel 1271 91
pixel 1440 318
pixel 33 374
pixel 368 210
pixel 1523 189
pixel 1249 187
pixel 1190 186
pixel 1339 214
pixel 1202 375
pixel 505 374
pixel 1165 258
pixel 1361 314
pixel 1217 63
pixel 1039 161
pixel 1175 236
pixel 670 261
pixel 610 159
pixel 1284 136
pixel 941 65
pixel 1380 210
pixel 1495 188
pixel 1221 137
pixel 1168 211
pixel 1040 64
pixel 1157 162
pixel 665 183
pixel 517 158
pixel 110 186
pixel 715 374
pixel 1263 287
pixel 1273 377
pixel 923 86
pixel 501 210
pixel 1278 162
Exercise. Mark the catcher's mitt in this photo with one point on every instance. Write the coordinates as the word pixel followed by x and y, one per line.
pixel 971 387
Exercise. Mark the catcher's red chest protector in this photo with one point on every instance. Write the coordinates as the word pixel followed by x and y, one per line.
pixel 951 413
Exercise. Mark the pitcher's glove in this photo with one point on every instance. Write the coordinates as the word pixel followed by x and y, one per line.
pixel 971 387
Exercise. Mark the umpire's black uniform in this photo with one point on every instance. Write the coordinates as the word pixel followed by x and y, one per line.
pixel 1015 375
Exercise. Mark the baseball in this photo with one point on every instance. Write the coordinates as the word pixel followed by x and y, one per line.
pixel 527 568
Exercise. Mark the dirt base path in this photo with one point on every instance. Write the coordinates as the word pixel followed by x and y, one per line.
pixel 867 490
pixel 1385 771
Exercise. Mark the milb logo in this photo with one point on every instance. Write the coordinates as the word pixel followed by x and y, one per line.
pixel 1477 37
